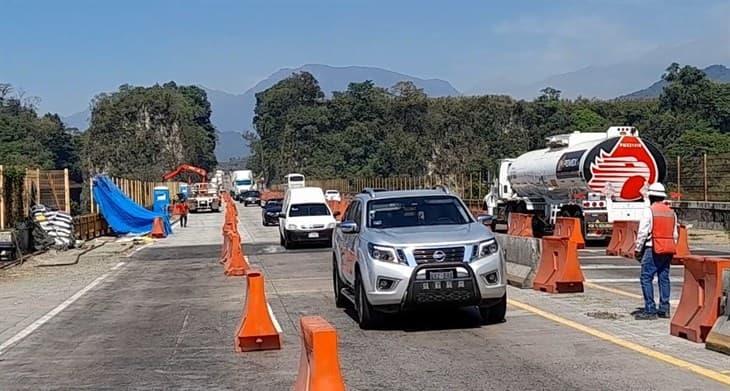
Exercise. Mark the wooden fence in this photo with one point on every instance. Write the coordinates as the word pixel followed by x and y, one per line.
pixel 19 192
pixel 140 192
pixel 90 226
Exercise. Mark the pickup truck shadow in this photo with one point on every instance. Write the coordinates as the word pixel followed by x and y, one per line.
pixel 429 319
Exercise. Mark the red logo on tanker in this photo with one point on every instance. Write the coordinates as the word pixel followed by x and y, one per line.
pixel 625 170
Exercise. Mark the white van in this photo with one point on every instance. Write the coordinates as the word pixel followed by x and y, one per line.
pixel 294 181
pixel 305 217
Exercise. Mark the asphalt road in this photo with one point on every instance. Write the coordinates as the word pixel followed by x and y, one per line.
pixel 167 317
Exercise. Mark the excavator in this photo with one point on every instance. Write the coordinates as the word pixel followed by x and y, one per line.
pixel 202 195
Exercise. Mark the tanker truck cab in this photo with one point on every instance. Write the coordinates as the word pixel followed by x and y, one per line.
pixel 598 177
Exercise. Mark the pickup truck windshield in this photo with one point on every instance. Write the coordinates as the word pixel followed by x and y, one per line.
pixel 416 211
pixel 243 182
pixel 299 210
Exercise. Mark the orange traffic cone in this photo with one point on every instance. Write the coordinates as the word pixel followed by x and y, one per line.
pixel 682 246
pixel 236 263
pixel 158 231
pixel 258 329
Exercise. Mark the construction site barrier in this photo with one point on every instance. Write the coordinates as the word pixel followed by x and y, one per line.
pixel 719 337
pixel 682 246
pixel 702 292
pixel 236 263
pixel 571 228
pixel 623 238
pixel 559 269
pixel 319 365
pixel 258 329
pixel 521 255
pixel 519 224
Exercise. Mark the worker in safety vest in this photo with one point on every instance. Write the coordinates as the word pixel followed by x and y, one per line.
pixel 656 243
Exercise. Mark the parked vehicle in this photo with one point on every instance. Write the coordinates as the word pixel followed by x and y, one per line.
pixel 305 217
pixel 270 211
pixel 294 181
pixel 243 181
pixel 397 250
pixel 598 177
pixel 203 197
pixel 332 195
pixel 251 197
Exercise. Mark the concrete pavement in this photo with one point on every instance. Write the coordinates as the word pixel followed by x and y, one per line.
pixel 165 319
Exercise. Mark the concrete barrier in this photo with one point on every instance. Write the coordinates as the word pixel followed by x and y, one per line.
pixel 522 255
pixel 719 337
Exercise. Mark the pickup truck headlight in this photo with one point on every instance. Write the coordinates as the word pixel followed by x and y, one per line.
pixel 291 227
pixel 484 249
pixel 331 225
pixel 386 254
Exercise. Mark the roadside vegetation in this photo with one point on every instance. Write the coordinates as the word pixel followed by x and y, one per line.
pixel 368 131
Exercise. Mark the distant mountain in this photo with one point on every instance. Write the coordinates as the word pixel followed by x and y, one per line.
pixel 233 113
pixel 620 77
pixel 717 73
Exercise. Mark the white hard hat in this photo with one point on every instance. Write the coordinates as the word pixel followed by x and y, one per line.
pixel 657 190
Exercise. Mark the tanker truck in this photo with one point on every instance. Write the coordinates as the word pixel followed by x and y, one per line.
pixel 598 177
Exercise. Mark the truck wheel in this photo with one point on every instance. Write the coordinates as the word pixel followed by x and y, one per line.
pixel 281 240
pixel 337 284
pixel 367 317
pixel 494 313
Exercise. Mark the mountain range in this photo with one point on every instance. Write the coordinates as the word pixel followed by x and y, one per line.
pixel 233 113
pixel 717 73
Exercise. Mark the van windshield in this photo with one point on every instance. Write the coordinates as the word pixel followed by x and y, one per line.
pixel 296 178
pixel 243 182
pixel 299 210
pixel 416 211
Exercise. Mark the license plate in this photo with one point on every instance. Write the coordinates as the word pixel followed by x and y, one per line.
pixel 438 276
pixel 313 235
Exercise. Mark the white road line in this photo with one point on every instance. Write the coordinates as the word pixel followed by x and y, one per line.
pixel 615 257
pixel 277 326
pixel 625 280
pixel 619 267
pixel 45 318
pixel 118 265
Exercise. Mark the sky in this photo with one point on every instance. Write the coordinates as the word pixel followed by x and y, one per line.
pixel 65 52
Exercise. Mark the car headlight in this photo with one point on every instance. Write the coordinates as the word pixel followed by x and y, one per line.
pixel 291 227
pixel 331 225
pixel 385 254
pixel 484 249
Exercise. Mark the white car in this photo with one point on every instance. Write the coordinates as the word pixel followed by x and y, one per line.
pixel 332 195
pixel 305 217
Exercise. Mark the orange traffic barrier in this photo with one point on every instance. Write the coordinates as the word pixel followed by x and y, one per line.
pixel 682 246
pixel 571 228
pixel 519 224
pixel 559 269
pixel 158 230
pixel 258 329
pixel 319 365
pixel 699 305
pixel 236 263
pixel 617 236
pixel 628 244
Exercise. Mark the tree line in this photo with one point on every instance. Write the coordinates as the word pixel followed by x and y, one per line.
pixel 369 131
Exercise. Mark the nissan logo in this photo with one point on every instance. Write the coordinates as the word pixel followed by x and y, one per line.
pixel 439 256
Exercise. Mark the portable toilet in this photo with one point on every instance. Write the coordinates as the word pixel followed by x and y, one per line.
pixel 161 195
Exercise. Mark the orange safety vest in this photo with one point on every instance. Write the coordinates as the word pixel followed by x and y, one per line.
pixel 662 228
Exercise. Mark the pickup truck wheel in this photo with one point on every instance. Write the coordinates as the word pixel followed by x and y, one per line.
pixel 494 313
pixel 337 284
pixel 367 317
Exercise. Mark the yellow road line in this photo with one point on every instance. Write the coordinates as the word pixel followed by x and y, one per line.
pixel 709 373
pixel 613 290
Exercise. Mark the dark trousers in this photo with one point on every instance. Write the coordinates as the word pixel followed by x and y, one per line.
pixel 655 264
pixel 183 220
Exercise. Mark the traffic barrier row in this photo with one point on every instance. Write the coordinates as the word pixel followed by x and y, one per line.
pixel 259 330
pixel 682 246
pixel 571 228
pixel 519 224
pixel 701 300
pixel 623 238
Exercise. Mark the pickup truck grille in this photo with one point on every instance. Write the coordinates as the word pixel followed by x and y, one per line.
pixel 452 254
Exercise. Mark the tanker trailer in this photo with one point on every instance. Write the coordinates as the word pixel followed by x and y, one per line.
pixel 599 177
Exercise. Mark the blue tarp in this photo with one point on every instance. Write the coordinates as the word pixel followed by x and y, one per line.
pixel 123 215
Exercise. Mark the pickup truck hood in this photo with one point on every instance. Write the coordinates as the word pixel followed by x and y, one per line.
pixel 434 235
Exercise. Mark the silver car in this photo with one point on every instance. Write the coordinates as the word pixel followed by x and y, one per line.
pixel 396 250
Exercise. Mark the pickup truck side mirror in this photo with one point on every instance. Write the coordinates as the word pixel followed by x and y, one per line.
pixel 485 219
pixel 348 227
